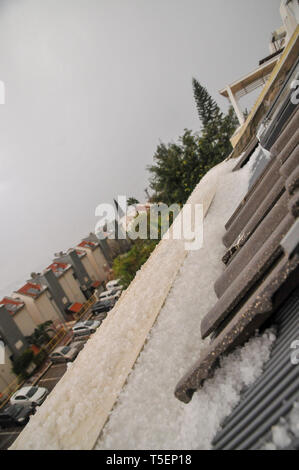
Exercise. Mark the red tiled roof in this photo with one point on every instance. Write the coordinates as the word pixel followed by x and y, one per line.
pixel 57 267
pixel 81 253
pixel 33 290
pixel 96 284
pixel 12 305
pixel 76 307
pixel 87 244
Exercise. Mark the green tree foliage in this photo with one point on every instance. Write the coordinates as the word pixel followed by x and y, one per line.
pixel 126 266
pixel 207 108
pixel 41 336
pixel 21 363
pixel 132 201
pixel 177 169
pixel 25 360
pixel 179 166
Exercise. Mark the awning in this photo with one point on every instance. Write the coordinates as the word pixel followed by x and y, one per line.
pixel 96 284
pixel 76 307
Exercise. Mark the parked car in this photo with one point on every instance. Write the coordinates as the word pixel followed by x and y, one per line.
pixel 112 294
pixel 78 343
pixel 85 328
pixel 103 306
pixel 100 317
pixel 29 395
pixel 64 354
pixel 114 285
pixel 15 415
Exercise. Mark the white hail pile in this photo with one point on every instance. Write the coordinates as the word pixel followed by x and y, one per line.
pixel 284 431
pixel 147 415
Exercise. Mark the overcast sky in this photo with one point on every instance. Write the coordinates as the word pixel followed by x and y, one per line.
pixel 91 88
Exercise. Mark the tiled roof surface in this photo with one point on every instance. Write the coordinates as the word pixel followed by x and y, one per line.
pixel 58 268
pixel 87 244
pixel 12 305
pixel 32 290
pixel 81 253
pixel 262 261
pixel 270 400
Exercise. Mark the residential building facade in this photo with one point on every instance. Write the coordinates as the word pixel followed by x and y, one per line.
pixel 20 315
pixel 14 345
pixel 40 303
pixel 65 275
pixel 80 274
pixel 96 257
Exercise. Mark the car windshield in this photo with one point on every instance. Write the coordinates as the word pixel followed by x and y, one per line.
pixel 31 392
pixel 88 323
pixel 65 350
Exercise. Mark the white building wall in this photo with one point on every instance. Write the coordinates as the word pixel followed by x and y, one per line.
pixel 31 307
pixel 48 309
pixel 24 322
pixel 41 309
pixel 71 287
pixel 101 263
pixel 97 260
pixel 89 268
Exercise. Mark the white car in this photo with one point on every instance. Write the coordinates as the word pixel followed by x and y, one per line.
pixel 85 327
pixel 64 354
pixel 79 343
pixel 114 285
pixel 29 395
pixel 113 294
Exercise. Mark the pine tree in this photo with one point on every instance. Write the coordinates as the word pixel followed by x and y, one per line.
pixel 208 109
pixel 178 167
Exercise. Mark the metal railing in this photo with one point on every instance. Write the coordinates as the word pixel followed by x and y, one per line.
pixel 55 340
pixel 86 307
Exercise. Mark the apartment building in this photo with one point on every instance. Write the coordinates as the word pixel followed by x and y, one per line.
pixel 84 277
pixel 103 243
pixel 96 284
pixel 40 303
pixel 20 314
pixel 14 345
pixel 64 273
pixel 95 255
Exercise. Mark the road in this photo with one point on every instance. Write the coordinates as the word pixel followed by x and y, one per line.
pixel 49 380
